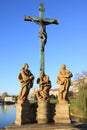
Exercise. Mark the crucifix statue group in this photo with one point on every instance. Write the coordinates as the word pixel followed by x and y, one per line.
pixel 42 113
pixel 26 78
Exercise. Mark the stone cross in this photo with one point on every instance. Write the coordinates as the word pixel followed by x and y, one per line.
pixel 42 22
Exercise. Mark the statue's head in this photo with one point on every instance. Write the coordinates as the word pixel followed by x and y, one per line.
pixel 63 66
pixel 26 66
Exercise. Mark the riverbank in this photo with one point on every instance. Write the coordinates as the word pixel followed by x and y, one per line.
pixel 78 116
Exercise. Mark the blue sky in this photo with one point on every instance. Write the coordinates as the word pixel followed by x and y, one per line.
pixel 19 41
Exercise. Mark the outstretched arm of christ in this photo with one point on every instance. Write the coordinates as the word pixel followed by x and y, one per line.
pixel 32 19
pixel 48 21
pixel 45 21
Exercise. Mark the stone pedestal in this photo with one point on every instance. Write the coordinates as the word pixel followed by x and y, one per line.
pixel 22 114
pixel 62 114
pixel 42 112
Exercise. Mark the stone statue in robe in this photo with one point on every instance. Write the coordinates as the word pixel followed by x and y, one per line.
pixel 64 80
pixel 44 86
pixel 26 78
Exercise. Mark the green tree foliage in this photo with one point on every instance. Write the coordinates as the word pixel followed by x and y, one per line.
pixel 82 94
pixel 82 99
pixel 4 95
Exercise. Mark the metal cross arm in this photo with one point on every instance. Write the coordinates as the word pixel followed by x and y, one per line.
pixel 37 20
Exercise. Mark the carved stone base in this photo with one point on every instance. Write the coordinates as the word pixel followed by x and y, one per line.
pixel 62 114
pixel 22 114
pixel 42 112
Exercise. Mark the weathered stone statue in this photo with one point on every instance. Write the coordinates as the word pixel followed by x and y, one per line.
pixel 62 110
pixel 26 79
pixel 43 98
pixel 64 79
pixel 45 85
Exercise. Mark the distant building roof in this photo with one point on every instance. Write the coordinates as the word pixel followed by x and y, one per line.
pixel 54 92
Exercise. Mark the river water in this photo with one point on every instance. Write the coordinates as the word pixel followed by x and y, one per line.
pixel 7 115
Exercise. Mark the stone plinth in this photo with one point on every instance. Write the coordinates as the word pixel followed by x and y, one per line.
pixel 62 114
pixel 22 114
pixel 42 112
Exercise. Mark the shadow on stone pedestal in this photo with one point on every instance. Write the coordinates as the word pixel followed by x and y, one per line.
pixel 32 112
pixel 25 113
pixel 62 114
pixel 22 114
pixel 51 112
